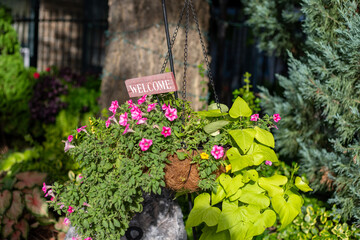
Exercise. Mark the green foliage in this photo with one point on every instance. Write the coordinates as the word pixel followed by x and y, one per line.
pixel 276 24
pixel 321 103
pixel 22 205
pixel 314 222
pixel 239 208
pixel 15 81
pixel 246 94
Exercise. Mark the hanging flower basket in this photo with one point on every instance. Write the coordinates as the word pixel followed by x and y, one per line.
pixel 143 146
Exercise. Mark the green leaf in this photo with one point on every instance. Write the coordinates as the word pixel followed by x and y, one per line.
pixel 264 137
pixel 237 161
pixel 289 209
pixel 116 223
pixel 272 184
pixel 265 220
pixel 86 223
pixel 35 203
pixel 240 109
pixel 212 113
pixel 214 106
pixel 252 174
pixel 253 194
pixel 105 223
pixel 181 155
pixel 203 212
pixel 260 153
pixel 214 126
pixel 243 138
pixel 233 186
pixel 218 196
pixel 228 216
pixel 300 184
pixel 209 233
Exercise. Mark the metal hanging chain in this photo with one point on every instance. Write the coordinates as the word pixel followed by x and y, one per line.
pixel 173 39
pixel 205 55
pixel 186 49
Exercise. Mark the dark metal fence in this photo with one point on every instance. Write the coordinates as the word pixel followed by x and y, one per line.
pixel 52 34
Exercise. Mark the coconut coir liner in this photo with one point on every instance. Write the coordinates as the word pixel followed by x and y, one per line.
pixel 184 175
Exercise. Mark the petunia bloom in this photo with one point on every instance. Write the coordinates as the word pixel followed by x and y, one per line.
pixel 67 145
pixel 166 131
pixel 171 114
pixel 70 209
pixel 131 104
pixel 88 238
pixel 151 107
pixel 269 163
pixel 165 107
pixel 141 121
pixel 114 106
pixel 107 123
pixel 142 99
pixel 123 119
pixel 66 221
pixel 254 117
pixel 276 117
pixel 145 144
pixel 70 138
pixel 52 198
pixel 81 129
pixel 217 151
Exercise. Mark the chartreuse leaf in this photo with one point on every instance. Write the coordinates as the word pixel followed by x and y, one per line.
pixel 203 212
pixel 218 196
pixel 289 209
pixel 228 216
pixel 237 161
pixel 264 137
pixel 240 109
pixel 272 184
pixel 233 186
pixel 223 107
pixel 300 184
pixel 209 233
pixel 260 153
pixel 212 113
pixel 243 138
pixel 214 126
pixel 253 194
pixel 265 220
pixel 251 174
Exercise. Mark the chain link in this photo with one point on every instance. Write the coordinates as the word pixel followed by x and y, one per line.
pixel 173 40
pixel 186 48
pixel 205 55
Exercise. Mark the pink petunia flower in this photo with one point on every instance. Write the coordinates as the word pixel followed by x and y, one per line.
pixel 142 99
pixel 70 209
pixel 141 121
pixel 136 113
pixel 107 123
pixel 166 131
pixel 145 144
pixel 165 107
pixel 81 129
pixel 66 221
pixel 171 114
pixel 52 198
pixel 276 117
pixel 80 176
pixel 44 188
pixel 86 204
pixel 217 151
pixel 151 107
pixel 123 119
pixel 269 163
pixel 67 145
pixel 50 192
pixel 131 104
pixel 62 205
pixel 254 117
pixel 70 138
pixel 126 129
pixel 114 106
pixel 88 238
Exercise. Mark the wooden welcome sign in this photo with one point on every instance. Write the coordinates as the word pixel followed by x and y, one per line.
pixel 154 84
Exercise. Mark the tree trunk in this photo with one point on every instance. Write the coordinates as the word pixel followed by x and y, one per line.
pixel 136 46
